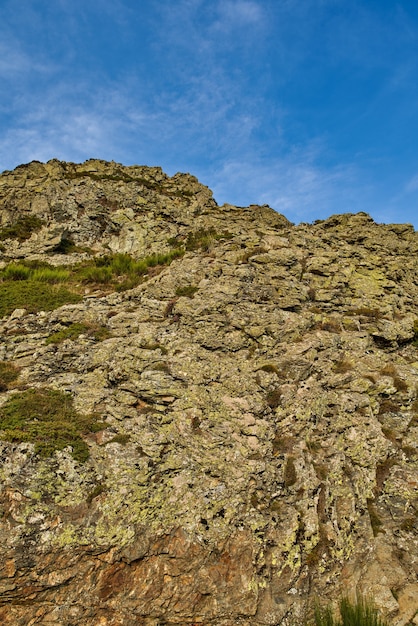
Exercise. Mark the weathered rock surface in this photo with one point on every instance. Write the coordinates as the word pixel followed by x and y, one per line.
pixel 260 447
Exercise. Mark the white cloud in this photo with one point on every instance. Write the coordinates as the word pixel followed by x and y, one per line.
pixel 412 185
pixel 293 184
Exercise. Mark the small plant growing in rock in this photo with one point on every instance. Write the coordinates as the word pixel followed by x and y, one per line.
pixel 273 398
pixel 415 338
pixel 343 366
pixel 372 314
pixel 270 368
pixel 201 239
pixel 246 256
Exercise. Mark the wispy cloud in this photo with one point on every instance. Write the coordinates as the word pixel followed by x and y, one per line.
pixel 253 96
pixel 294 184
pixel 412 184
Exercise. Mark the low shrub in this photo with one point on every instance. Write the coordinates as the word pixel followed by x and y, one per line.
pixel 50 275
pixel 16 271
pixel 201 239
pixel 22 228
pixel 274 397
pixel 47 418
pixel 8 374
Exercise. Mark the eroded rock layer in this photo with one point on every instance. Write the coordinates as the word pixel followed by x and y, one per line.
pixel 258 401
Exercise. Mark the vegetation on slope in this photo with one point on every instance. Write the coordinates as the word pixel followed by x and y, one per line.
pixel 38 286
pixel 47 418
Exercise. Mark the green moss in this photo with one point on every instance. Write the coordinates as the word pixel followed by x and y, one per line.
pixel 47 418
pixel 122 439
pixel 22 228
pixel 33 296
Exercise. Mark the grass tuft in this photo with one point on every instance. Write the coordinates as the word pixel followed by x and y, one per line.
pixel 359 613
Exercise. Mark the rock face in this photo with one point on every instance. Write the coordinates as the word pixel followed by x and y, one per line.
pixel 258 400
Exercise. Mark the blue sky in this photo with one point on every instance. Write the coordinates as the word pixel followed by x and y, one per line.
pixel 310 106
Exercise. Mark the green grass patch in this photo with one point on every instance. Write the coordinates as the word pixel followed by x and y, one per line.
pixel 48 419
pixel 37 286
pixel 50 275
pixel 22 228
pixel 33 296
pixel 122 270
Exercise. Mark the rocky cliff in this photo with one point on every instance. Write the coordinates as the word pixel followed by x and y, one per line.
pixel 208 415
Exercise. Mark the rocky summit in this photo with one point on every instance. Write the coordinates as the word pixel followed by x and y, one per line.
pixel 208 415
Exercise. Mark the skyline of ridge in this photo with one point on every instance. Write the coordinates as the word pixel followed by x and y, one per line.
pixel 309 107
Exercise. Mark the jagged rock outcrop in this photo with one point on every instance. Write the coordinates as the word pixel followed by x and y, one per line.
pixel 257 399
